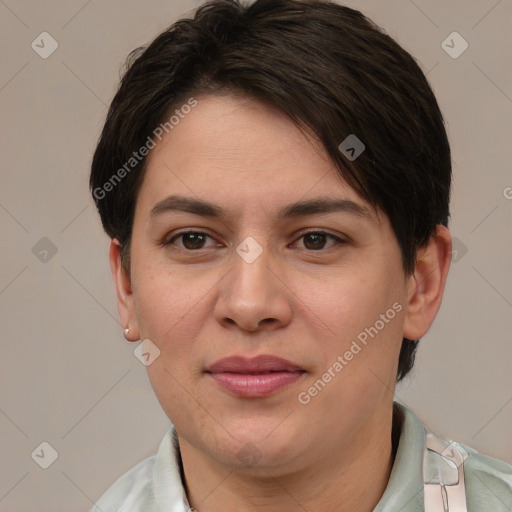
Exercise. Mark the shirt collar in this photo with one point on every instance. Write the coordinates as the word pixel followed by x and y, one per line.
pixel 168 486
pixel 404 492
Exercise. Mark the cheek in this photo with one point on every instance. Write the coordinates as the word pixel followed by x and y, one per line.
pixel 344 304
pixel 358 311
pixel 166 298
pixel 171 309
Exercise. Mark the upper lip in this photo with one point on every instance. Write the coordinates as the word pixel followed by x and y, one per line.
pixel 262 363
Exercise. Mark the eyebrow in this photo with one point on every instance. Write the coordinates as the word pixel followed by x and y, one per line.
pixel 301 208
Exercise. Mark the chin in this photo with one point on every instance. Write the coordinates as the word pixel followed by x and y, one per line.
pixel 256 446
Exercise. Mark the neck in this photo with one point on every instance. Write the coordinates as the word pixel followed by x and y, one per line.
pixel 342 481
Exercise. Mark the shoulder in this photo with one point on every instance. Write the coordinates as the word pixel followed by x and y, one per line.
pixel 488 481
pixel 153 485
pixel 132 491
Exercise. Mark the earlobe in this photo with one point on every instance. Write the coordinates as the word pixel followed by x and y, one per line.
pixel 426 285
pixel 124 294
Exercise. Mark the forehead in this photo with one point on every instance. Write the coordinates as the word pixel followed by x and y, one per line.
pixel 240 152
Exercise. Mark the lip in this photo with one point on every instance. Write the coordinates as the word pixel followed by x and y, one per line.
pixel 255 377
pixel 260 364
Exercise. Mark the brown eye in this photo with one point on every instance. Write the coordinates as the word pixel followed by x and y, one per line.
pixel 191 240
pixel 316 240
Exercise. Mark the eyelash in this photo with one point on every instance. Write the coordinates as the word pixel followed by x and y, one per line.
pixel 316 232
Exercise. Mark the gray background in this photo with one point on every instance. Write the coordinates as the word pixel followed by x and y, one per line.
pixel 68 376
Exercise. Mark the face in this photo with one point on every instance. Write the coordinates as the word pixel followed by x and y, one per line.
pixel 321 286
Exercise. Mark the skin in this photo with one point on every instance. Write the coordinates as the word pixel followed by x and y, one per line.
pixel 302 299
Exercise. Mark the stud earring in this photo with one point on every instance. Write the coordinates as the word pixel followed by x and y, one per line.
pixel 126 331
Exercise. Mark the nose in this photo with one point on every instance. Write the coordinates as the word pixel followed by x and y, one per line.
pixel 254 295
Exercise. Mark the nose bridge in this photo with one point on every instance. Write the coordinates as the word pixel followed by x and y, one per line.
pixel 250 278
pixel 251 292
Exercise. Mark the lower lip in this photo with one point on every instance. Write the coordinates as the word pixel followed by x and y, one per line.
pixel 255 385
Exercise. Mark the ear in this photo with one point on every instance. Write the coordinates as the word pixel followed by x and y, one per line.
pixel 426 284
pixel 125 301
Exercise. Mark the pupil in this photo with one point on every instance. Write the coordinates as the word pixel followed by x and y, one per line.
pixel 189 237
pixel 319 240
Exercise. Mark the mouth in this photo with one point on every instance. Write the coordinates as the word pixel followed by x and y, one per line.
pixel 256 377
pixel 264 363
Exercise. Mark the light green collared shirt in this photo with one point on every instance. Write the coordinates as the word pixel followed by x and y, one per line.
pixel 155 484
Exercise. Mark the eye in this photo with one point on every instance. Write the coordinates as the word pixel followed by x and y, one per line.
pixel 195 240
pixel 315 240
pixel 191 240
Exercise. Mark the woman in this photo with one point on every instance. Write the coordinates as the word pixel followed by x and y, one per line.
pixel 275 180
